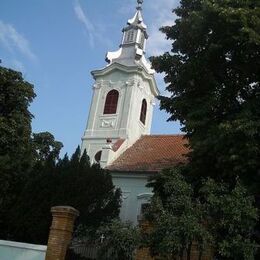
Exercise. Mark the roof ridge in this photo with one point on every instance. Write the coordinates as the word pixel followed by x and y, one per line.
pixel 162 135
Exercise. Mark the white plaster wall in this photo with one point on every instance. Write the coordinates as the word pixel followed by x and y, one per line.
pixel 134 194
pixel 20 251
pixel 125 124
pixel 134 125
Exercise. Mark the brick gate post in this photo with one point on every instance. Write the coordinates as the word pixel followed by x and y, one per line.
pixel 63 218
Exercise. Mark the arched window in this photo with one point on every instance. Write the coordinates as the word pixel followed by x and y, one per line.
pixel 111 102
pixel 98 156
pixel 143 111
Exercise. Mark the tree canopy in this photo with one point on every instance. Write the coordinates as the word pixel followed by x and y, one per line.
pixel 212 73
pixel 218 221
pixel 70 181
pixel 15 137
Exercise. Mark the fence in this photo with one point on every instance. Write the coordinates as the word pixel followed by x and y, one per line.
pixel 82 251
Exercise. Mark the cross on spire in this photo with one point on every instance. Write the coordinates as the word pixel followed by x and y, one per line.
pixel 139 6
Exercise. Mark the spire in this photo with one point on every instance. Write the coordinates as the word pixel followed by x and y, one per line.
pixel 135 31
pixel 139 2
pixel 137 20
pixel 132 48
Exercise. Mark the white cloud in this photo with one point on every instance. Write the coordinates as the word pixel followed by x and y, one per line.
pixel 157 44
pixel 126 8
pixel 94 32
pixel 85 21
pixel 161 15
pixel 13 41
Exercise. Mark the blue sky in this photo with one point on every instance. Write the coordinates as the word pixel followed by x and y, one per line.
pixel 57 43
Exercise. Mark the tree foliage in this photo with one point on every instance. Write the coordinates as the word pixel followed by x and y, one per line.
pixel 45 147
pixel 177 217
pixel 217 217
pixel 15 119
pixel 231 218
pixel 72 182
pixel 120 241
pixel 212 73
pixel 15 137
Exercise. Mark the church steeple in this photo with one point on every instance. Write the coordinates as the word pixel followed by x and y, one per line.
pixel 123 96
pixel 132 47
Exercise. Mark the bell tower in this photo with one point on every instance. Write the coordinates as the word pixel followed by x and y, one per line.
pixel 123 97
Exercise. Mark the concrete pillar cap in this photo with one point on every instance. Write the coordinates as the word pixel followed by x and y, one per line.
pixel 65 209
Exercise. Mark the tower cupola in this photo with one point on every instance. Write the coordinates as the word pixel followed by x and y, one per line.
pixel 132 47
pixel 135 31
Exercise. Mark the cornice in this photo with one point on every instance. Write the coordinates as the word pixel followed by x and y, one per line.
pixel 128 69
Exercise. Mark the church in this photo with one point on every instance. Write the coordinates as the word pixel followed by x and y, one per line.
pixel 118 128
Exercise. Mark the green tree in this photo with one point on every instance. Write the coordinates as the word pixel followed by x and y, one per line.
pixel 218 217
pixel 231 217
pixel 120 241
pixel 212 73
pixel 15 138
pixel 177 216
pixel 72 182
pixel 45 147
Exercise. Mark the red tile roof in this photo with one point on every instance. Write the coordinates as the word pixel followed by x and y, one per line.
pixel 152 153
pixel 117 144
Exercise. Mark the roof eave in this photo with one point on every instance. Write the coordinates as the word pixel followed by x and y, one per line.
pixel 128 172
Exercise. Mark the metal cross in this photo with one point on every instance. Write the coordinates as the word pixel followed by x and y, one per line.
pixel 102 238
pixel 139 2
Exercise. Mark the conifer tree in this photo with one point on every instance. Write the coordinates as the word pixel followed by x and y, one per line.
pixel 72 182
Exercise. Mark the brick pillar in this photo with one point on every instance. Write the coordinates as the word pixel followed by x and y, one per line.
pixel 63 218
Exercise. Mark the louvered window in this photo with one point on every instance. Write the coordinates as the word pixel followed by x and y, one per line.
pixel 111 102
pixel 142 41
pixel 130 36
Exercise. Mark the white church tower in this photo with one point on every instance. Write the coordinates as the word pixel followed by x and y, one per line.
pixel 123 97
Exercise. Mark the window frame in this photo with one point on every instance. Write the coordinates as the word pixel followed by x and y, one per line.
pixel 98 155
pixel 111 102
pixel 143 112
pixel 130 36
